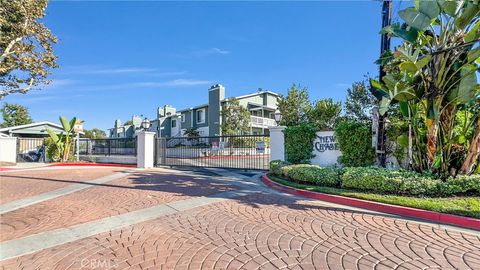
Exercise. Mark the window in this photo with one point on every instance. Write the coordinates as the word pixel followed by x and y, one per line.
pixel 174 123
pixel 183 118
pixel 200 116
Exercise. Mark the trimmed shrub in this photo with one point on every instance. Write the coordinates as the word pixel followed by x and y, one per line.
pixel 314 174
pixel 389 181
pixel 461 184
pixel 355 142
pixel 276 167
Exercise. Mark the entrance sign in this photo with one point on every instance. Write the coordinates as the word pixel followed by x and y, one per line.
pixel 325 149
pixel 260 147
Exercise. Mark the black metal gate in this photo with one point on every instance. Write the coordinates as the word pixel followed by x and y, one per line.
pixel 239 152
pixel 30 150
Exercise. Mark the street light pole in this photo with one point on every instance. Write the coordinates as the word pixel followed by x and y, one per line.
pixel 382 119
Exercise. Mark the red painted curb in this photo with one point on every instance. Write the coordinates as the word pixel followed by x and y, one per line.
pixel 465 222
pixel 92 164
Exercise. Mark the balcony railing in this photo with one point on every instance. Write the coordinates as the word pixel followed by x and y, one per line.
pixel 262 122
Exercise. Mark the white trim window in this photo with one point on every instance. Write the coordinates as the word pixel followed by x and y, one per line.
pixel 182 116
pixel 200 116
pixel 174 123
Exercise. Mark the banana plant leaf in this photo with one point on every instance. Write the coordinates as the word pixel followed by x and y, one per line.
pixel 65 124
pixel 469 12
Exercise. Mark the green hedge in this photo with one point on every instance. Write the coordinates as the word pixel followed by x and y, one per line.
pixel 355 142
pixel 329 177
pixel 299 143
pixel 390 181
pixel 378 180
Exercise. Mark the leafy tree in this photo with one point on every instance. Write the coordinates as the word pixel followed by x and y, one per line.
pixel 15 115
pixel 95 133
pixel 324 113
pixel 236 118
pixel 432 76
pixel 26 53
pixel 295 106
pixel 359 103
pixel 128 123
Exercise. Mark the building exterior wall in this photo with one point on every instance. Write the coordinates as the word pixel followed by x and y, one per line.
pixel 205 115
pixel 187 123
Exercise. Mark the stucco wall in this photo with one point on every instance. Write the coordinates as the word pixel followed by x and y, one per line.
pixel 325 149
pixel 8 149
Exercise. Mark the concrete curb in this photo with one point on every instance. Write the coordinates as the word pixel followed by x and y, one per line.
pixel 465 222
pixel 92 164
pixel 73 165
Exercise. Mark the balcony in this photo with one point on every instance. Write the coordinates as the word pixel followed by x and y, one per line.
pixel 262 122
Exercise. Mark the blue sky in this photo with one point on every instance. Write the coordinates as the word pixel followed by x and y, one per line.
pixel 122 58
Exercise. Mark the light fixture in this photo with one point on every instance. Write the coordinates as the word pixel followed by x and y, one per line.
pixel 278 116
pixel 145 124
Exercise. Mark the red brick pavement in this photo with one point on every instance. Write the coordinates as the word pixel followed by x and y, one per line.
pixel 137 191
pixel 269 232
pixel 16 185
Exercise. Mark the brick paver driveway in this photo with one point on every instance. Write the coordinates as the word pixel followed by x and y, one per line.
pixel 94 218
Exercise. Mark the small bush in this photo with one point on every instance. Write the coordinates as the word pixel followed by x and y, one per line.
pixel 461 184
pixel 51 150
pixel 389 181
pixel 276 167
pixel 314 174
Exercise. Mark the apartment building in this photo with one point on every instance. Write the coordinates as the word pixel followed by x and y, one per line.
pixel 207 118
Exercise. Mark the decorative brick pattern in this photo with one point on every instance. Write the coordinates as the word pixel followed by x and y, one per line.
pixel 265 231
pixel 16 185
pixel 134 192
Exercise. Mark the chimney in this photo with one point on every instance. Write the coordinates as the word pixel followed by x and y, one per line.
pixel 216 94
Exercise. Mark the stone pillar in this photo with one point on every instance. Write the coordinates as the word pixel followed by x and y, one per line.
pixel 277 143
pixel 145 149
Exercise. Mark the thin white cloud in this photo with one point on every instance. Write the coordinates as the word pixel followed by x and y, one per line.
pixel 177 82
pixel 86 69
pixel 218 51
pixel 171 73
pixel 187 82
pixel 203 53
pixel 121 70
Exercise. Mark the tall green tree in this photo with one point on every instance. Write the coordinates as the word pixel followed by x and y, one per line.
pixel 15 115
pixel 236 118
pixel 95 133
pixel 359 102
pixel 432 76
pixel 295 106
pixel 324 113
pixel 26 53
